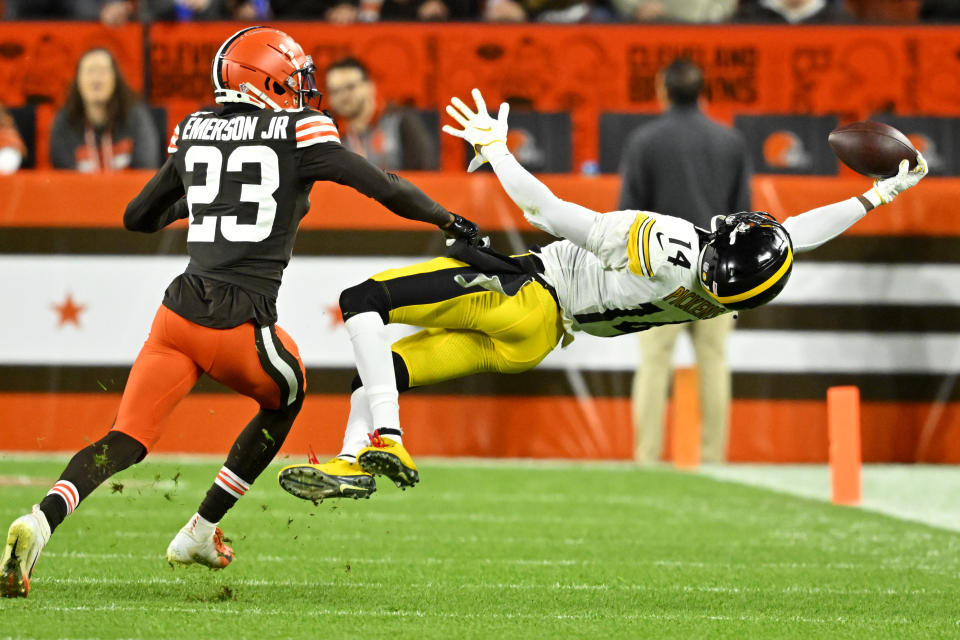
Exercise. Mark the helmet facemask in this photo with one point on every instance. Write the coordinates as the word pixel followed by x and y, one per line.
pixel 303 82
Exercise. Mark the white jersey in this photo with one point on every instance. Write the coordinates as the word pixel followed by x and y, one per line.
pixel 627 271
pixel 640 272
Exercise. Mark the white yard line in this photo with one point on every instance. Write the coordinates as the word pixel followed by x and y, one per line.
pixel 882 562
pixel 240 610
pixel 354 535
pixel 918 493
pixel 497 586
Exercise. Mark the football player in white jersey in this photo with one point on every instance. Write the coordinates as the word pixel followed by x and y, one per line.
pixel 612 273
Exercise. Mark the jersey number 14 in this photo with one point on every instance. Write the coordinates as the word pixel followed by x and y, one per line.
pixel 261 194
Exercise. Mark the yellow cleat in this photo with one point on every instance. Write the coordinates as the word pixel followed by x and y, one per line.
pixel 385 457
pixel 337 478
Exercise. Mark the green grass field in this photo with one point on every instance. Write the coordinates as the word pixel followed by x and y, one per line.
pixel 480 550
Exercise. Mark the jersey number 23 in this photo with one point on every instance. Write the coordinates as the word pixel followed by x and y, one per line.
pixel 261 194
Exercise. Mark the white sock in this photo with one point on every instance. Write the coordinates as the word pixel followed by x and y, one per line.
pixel 371 350
pixel 359 426
pixel 202 528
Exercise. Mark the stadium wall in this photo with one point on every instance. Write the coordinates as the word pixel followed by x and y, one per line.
pixel 877 308
pixel 582 69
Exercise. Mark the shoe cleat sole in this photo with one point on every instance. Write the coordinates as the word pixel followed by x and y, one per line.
pixel 310 484
pixel 381 463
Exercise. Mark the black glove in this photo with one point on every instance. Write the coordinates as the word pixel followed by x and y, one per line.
pixel 484 258
pixel 463 229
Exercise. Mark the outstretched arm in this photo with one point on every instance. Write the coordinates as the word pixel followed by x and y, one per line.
pixel 333 162
pixel 815 227
pixel 540 206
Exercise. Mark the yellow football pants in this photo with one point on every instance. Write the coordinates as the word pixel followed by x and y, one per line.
pixel 468 330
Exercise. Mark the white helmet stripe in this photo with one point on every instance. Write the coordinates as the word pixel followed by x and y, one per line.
pixel 245 88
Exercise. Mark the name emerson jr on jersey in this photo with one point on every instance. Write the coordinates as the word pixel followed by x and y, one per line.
pixel 200 126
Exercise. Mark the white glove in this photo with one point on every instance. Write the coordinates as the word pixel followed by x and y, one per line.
pixel 487 136
pixel 884 191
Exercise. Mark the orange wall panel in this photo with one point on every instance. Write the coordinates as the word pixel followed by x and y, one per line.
pixel 777 431
pixel 68 199
pixel 539 427
pixel 749 69
pixel 40 57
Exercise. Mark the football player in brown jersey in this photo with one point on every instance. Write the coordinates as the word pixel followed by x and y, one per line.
pixel 242 176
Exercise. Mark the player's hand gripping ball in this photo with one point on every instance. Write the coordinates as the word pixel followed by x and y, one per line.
pixel 872 148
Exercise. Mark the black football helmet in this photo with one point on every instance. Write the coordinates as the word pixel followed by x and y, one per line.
pixel 746 260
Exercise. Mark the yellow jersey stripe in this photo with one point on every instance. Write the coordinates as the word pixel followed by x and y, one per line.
pixel 646 246
pixel 633 245
pixel 760 288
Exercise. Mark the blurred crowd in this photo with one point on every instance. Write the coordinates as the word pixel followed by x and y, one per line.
pixel 116 12
pixel 105 126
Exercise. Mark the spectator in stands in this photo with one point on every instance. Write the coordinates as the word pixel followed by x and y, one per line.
pixel 12 149
pixel 792 11
pixel 940 10
pixel 53 9
pixel 880 11
pixel 337 11
pixel 555 11
pixel 698 11
pixel 103 126
pixel 251 10
pixel 189 10
pixel 117 12
pixel 685 165
pixel 428 10
pixel 109 12
pixel 185 10
pixel 504 11
pixel 388 136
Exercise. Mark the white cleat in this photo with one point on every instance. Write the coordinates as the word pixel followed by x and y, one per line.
pixel 189 548
pixel 25 540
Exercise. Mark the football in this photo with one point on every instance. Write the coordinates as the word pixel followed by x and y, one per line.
pixel 872 148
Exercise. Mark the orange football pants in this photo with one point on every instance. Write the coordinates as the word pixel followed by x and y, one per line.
pixel 177 351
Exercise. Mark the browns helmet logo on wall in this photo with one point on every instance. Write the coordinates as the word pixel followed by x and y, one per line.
pixel 783 149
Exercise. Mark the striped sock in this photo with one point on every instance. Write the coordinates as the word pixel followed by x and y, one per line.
pixel 231 483
pixel 223 494
pixel 66 490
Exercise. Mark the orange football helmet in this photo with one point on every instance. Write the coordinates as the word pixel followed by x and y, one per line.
pixel 264 67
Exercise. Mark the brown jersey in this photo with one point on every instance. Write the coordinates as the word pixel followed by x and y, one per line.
pixel 243 178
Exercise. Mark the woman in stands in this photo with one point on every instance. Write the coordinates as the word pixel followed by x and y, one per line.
pixel 103 126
